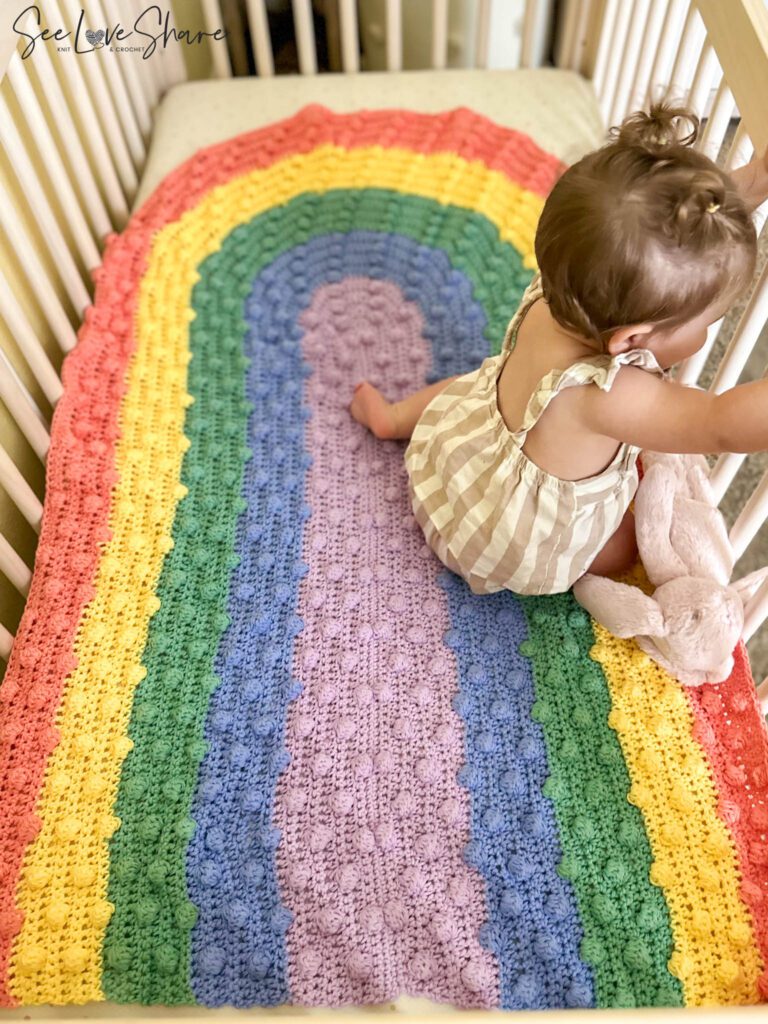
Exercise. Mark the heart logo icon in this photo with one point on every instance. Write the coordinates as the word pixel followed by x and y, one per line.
pixel 94 38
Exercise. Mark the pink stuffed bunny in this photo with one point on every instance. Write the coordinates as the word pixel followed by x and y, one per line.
pixel 695 618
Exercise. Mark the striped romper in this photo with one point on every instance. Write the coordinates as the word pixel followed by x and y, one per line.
pixel 491 514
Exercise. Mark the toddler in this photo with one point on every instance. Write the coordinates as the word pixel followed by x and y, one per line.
pixel 521 472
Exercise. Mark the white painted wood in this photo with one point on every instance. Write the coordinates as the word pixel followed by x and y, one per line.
pixel 305 36
pixel 615 53
pixel 350 49
pixel 170 50
pixel 23 409
pixel 49 155
pixel 755 614
pixel 394 34
pixel 38 278
pixel 605 47
pixel 635 34
pixel 262 47
pixel 95 210
pixel 568 20
pixel 14 567
pixel 751 518
pixel 744 337
pixel 648 52
pixel 439 33
pixel 30 347
pixel 717 124
pixel 742 150
pixel 135 83
pixel 538 14
pixel 40 210
pixel 102 140
pixel 6 643
pixel 149 69
pixel 689 370
pixel 19 491
pixel 218 48
pixel 482 33
pixel 687 56
pixel 706 78
pixel 113 75
pixel 580 34
pixel 675 13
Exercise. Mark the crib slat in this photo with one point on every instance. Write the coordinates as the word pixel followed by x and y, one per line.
pixel 755 615
pixel 747 332
pixel 394 35
pixel 150 69
pixel 661 72
pixel 482 33
pixel 305 36
pixel 630 57
pixel 172 64
pixel 95 209
pixel 218 48
pixel 568 21
pixel 689 370
pixel 350 54
pixel 37 276
pixel 49 154
pixel 112 73
pixel 6 643
pixel 616 49
pixel 41 211
pixel 104 127
pixel 648 56
pixel 439 34
pixel 742 150
pixel 262 46
pixel 134 82
pixel 687 56
pixel 705 79
pixel 580 35
pixel 605 48
pixel 14 567
pixel 535 27
pixel 718 121
pixel 751 518
pixel 19 491
pixel 23 409
pixel 30 347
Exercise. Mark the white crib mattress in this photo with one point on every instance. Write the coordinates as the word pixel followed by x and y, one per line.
pixel 556 108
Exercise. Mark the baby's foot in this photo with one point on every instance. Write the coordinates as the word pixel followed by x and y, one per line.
pixel 371 408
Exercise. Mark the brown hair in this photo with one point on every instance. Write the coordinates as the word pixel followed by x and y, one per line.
pixel 644 230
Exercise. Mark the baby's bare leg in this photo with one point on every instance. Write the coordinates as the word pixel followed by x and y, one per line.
pixel 392 420
pixel 620 551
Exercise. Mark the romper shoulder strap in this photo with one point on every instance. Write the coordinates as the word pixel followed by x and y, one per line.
pixel 530 295
pixel 600 369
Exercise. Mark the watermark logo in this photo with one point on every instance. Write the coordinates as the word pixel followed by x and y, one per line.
pixel 150 29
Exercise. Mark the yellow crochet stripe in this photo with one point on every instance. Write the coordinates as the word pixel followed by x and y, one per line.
pixel 57 956
pixel 716 957
pixel 63 885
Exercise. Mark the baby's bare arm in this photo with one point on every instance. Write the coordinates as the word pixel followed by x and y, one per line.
pixel 752 181
pixel 663 416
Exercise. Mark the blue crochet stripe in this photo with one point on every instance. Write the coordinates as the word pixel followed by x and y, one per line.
pixel 533 928
pixel 238 943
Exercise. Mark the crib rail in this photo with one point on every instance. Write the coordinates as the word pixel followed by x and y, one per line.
pixel 74 136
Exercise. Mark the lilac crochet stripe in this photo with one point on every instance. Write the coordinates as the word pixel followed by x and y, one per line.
pixel 373 821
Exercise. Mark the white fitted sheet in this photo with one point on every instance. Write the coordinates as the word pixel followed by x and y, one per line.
pixel 556 108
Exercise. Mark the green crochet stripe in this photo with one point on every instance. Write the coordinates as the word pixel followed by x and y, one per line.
pixel 147 948
pixel 606 853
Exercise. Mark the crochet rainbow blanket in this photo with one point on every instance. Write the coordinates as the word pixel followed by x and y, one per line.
pixel 257 746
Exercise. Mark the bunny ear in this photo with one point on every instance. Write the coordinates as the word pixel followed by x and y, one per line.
pixel 747 586
pixel 624 610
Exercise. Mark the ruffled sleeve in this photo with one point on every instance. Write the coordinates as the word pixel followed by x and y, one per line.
pixel 641 357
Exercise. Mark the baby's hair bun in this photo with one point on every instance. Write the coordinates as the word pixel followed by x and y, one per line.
pixel 662 127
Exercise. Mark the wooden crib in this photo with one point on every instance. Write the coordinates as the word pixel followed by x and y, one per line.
pixel 87 136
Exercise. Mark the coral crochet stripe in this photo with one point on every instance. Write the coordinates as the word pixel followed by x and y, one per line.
pixel 257 748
